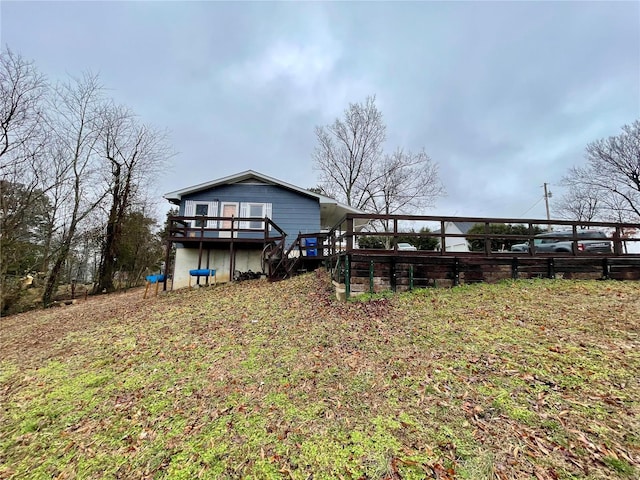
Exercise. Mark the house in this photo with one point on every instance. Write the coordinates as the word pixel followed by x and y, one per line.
pixel 231 223
pixel 455 243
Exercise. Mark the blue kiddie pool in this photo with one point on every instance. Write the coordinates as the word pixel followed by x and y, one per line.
pixel 202 272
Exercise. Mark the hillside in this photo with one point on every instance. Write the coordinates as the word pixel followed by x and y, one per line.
pixel 527 379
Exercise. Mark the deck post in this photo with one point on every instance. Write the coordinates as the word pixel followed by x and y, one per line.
pixel 232 252
pixel 395 234
pixel 574 243
pixel 411 277
pixel 349 236
pixel 392 274
pixel 606 268
pixel 551 271
pixel 371 269
pixel 487 239
pixel 531 240
pixel 199 260
pixel 347 275
pixel 617 244
pixel 456 271
pixel 514 268
pixel 200 249
pixel 167 257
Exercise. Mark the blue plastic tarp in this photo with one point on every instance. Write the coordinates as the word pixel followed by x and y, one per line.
pixel 155 278
pixel 202 272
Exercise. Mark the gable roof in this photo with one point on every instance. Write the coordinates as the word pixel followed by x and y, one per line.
pixel 331 211
pixel 463 227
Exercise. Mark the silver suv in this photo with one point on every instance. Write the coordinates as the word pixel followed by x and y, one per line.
pixel 588 242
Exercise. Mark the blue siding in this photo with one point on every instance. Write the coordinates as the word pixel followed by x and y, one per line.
pixel 291 211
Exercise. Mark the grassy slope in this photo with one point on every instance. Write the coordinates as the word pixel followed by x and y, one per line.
pixel 518 380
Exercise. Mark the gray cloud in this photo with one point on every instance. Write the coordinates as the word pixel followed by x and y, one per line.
pixel 504 96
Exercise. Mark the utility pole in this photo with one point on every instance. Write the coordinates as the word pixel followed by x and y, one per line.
pixel 547 196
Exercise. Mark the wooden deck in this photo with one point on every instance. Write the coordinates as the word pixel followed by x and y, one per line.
pixel 281 259
pixel 375 270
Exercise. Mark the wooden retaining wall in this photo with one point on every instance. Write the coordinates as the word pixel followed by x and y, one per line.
pixel 376 273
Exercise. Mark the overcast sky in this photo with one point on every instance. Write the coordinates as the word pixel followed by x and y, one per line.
pixel 504 96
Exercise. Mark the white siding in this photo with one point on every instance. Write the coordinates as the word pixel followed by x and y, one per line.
pixel 187 259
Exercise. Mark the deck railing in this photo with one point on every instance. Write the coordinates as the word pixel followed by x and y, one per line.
pixel 344 236
pixel 201 228
pixel 342 241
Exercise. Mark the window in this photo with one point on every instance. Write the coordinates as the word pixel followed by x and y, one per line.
pixel 255 210
pixel 199 208
pixel 202 209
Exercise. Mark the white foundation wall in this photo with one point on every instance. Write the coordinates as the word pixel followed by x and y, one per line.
pixel 187 259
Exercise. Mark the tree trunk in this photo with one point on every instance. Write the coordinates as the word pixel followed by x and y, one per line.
pixel 112 237
pixel 54 276
pixel 109 257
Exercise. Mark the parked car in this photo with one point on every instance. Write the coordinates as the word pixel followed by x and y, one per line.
pixel 588 242
pixel 406 247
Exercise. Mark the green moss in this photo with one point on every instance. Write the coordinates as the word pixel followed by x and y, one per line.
pixel 431 379
pixel 620 466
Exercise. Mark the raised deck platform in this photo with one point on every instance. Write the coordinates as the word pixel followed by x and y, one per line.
pixel 375 270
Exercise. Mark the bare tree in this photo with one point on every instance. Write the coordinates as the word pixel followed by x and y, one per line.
pixel 613 172
pixel 348 153
pixel 23 199
pixel 580 205
pixel 70 163
pixel 76 124
pixel 133 152
pixel 354 169
pixel 405 181
pixel 22 89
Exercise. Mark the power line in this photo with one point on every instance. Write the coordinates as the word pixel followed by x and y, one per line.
pixel 531 207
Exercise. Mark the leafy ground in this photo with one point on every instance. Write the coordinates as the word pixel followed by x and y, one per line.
pixel 527 379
